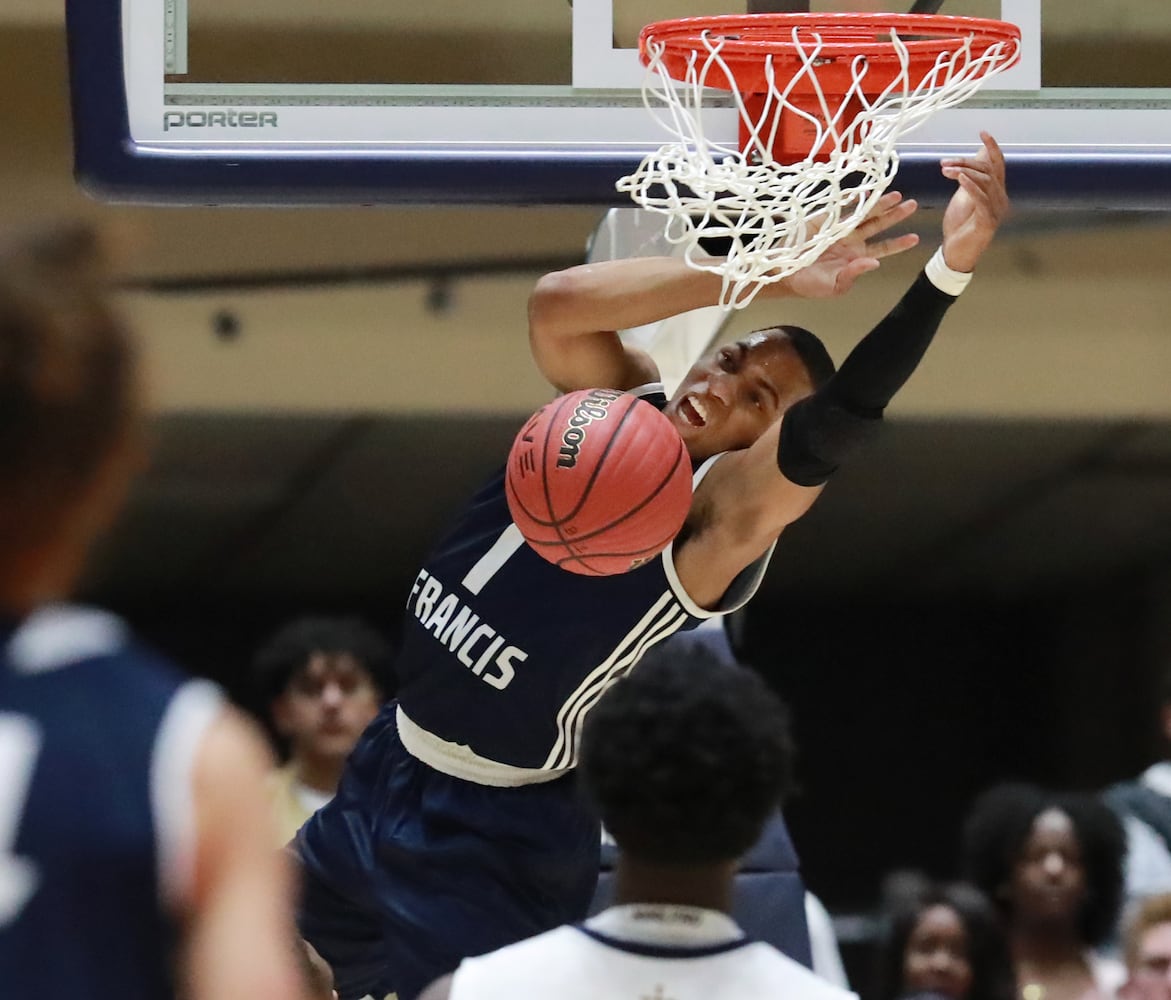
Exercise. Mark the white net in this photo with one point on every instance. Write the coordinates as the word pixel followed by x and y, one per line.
pixel 781 217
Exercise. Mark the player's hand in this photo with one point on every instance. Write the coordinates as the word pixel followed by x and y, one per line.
pixel 836 270
pixel 977 208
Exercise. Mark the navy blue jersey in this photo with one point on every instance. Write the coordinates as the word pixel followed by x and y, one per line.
pixel 504 654
pixel 96 742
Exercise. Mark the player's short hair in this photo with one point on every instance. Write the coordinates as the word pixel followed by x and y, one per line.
pixel 687 758
pixel 67 371
pixel 812 352
pixel 999 824
pixel 1153 911
pixel 290 648
pixel 988 954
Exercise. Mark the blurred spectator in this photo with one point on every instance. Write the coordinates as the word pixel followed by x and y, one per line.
pixel 1052 863
pixel 137 853
pixel 685 759
pixel 1144 805
pixel 942 940
pixel 1147 948
pixel 322 681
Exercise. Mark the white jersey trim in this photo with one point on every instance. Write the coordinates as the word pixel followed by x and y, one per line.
pixel 666 924
pixel 193 708
pixel 63 634
pixel 742 587
pixel 460 761
pixel 648 389
pixel 663 619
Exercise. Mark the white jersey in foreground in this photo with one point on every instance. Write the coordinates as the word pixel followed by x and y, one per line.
pixel 642 950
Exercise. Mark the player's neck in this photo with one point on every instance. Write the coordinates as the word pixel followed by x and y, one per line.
pixel 640 882
pixel 37 577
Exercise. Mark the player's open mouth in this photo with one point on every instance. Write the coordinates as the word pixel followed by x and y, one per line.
pixel 693 411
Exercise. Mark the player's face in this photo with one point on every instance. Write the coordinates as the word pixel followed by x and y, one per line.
pixel 729 398
pixel 1049 878
pixel 326 706
pixel 937 959
pixel 1150 975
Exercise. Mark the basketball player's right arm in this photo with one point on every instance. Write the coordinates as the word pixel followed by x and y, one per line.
pixel 574 314
pixel 749 497
pixel 239 930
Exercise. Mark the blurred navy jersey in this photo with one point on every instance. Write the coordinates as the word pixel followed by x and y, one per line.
pixel 503 654
pixel 97 740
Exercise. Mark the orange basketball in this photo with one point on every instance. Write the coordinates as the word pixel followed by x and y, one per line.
pixel 598 482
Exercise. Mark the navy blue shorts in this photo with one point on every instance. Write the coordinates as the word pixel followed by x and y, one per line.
pixel 408 871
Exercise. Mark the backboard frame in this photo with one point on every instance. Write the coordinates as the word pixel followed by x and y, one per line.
pixel 136 140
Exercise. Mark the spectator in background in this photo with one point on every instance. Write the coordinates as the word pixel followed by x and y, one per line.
pixel 1144 806
pixel 1146 943
pixel 136 854
pixel 685 759
pixel 322 681
pixel 1052 863
pixel 943 940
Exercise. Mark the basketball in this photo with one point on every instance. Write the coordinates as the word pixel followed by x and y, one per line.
pixel 598 482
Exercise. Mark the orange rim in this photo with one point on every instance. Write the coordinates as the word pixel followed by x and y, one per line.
pixel 748 39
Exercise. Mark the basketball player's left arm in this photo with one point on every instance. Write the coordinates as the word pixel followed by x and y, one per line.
pixel 749 497
pixel 239 931
pixel 574 315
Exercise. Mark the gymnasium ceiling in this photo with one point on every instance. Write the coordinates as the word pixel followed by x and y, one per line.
pixel 311 455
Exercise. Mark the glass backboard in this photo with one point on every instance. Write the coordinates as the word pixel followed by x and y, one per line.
pixel 539 101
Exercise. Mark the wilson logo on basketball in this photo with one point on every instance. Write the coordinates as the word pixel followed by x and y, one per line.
pixel 593 407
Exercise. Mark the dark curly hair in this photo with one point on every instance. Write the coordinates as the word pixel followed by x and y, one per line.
pixel 289 650
pixel 999 824
pixel 687 758
pixel 988 955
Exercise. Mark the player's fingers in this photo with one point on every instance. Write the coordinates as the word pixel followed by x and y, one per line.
pixel 889 247
pixel 989 186
pixel 885 216
pixel 989 197
pixel 881 207
pixel 995 153
pixel 853 271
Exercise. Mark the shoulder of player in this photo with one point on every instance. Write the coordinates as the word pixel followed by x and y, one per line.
pixel 57 638
pixel 794 978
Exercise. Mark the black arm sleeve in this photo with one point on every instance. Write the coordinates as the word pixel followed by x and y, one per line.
pixel 822 430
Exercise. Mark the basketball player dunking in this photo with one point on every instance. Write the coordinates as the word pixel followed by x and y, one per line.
pixel 457 827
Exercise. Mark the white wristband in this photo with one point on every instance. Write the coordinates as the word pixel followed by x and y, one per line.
pixel 944 278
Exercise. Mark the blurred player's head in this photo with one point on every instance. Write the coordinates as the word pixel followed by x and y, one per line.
pixel 730 397
pixel 323 680
pixel 686 759
pixel 69 411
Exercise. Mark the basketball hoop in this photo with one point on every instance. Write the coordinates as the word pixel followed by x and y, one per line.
pixel 822 100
